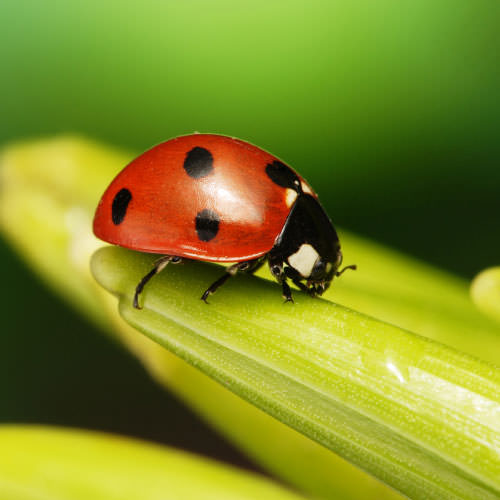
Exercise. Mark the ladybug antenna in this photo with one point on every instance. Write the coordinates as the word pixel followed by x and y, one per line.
pixel 352 266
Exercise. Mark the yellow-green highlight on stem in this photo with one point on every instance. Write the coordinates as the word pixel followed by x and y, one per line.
pixel 485 292
pixel 418 415
pixel 51 463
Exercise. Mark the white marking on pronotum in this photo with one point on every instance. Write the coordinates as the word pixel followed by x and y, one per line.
pixel 306 188
pixel 291 196
pixel 303 259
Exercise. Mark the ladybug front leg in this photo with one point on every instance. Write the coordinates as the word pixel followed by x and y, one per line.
pixel 276 268
pixel 249 266
pixel 296 278
pixel 160 264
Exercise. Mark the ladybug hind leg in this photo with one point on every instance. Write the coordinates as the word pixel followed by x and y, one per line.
pixel 159 265
pixel 249 266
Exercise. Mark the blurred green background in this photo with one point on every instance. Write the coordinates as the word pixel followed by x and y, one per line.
pixel 390 109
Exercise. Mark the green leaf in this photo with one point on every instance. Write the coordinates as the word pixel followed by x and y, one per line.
pixel 42 463
pixel 416 414
pixel 48 192
pixel 50 189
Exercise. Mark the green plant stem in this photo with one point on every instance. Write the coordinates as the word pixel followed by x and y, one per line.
pixel 416 414
pixel 49 190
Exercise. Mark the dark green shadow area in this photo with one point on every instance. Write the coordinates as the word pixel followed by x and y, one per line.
pixel 56 368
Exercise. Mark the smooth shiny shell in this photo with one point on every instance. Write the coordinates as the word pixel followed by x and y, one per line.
pixel 201 196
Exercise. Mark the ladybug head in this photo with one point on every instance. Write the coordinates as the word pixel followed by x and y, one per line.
pixel 322 274
pixel 308 248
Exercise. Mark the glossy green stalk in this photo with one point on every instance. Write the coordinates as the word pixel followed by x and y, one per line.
pixel 416 414
pixel 49 463
pixel 48 192
pixel 50 189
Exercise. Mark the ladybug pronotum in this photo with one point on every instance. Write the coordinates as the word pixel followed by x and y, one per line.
pixel 214 198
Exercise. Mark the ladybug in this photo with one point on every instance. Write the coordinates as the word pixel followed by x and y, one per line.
pixel 215 198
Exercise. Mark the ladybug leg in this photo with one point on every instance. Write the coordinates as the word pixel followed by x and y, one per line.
pixel 159 265
pixel 301 285
pixel 276 268
pixel 249 266
pixel 287 291
pixel 230 271
pixel 253 265
pixel 296 278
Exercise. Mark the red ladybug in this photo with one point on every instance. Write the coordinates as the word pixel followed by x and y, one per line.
pixel 214 198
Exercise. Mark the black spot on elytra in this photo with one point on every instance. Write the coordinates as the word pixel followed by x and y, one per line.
pixel 119 206
pixel 199 162
pixel 283 175
pixel 207 224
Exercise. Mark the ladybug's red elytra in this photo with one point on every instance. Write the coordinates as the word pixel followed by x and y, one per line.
pixel 215 198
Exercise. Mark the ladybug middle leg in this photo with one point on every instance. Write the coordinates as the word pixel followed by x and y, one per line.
pixel 249 266
pixel 276 268
pixel 160 264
